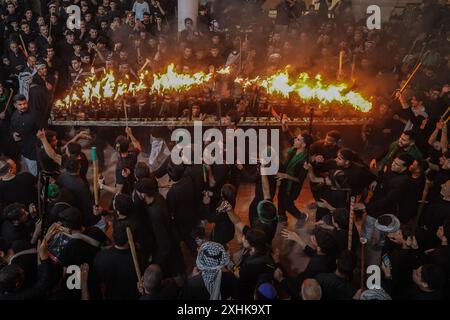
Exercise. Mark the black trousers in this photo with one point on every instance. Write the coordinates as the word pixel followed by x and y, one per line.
pixel 286 202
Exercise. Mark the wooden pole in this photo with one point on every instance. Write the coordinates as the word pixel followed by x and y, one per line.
pixel 341 57
pixel 23 45
pixel 133 253
pixel 125 112
pixel 352 75
pixel 95 174
pixel 445 113
pixel 11 91
pixel 411 77
pixel 350 224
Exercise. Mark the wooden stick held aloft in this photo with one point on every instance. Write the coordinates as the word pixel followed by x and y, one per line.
pixel 133 253
pixel 411 76
pixel 95 174
pixel 350 223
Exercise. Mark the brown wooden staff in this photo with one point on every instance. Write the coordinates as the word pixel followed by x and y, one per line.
pixel 95 174
pixel 24 48
pixel 352 74
pixel 350 223
pixel 445 114
pixel 133 253
pixel 411 76
pixel 341 58
pixel 125 112
pixel 11 91
pixel 147 61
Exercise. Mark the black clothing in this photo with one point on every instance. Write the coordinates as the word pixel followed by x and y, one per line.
pixel 115 270
pixel 78 251
pixel 83 197
pixel 26 125
pixel 250 269
pixel 167 252
pixel 21 189
pixel 223 231
pixel 389 197
pixel 39 289
pixel 334 287
pixel 11 233
pixel 40 101
pixel 182 208
pixel 128 162
pixel 436 214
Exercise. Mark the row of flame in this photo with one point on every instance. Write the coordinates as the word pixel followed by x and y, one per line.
pixel 279 84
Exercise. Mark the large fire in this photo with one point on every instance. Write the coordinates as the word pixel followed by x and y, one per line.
pixel 96 91
pixel 308 89
pixel 173 81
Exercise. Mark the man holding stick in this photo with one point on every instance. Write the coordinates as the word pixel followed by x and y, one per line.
pixel 115 267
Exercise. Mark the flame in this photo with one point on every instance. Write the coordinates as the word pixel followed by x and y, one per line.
pixel 173 81
pixel 106 88
pixel 307 89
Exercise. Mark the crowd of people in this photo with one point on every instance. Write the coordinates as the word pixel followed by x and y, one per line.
pixel 385 203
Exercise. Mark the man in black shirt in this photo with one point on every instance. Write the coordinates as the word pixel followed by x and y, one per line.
pixel 429 281
pixel 181 204
pixel 441 254
pixel 125 166
pixel 438 211
pixel 321 151
pixel 390 193
pixel 40 94
pixel 72 181
pixel 337 285
pixel 126 210
pixel 16 187
pixel 24 127
pixel 17 224
pixel 167 254
pixel 115 269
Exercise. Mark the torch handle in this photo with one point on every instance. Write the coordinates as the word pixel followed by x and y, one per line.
pixel 95 174
pixel 350 224
pixel 11 91
pixel 445 113
pixel 411 77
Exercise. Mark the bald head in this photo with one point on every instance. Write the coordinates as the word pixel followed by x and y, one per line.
pixel 311 290
pixel 152 277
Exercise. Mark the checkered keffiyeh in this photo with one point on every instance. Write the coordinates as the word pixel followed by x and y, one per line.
pixel 211 258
